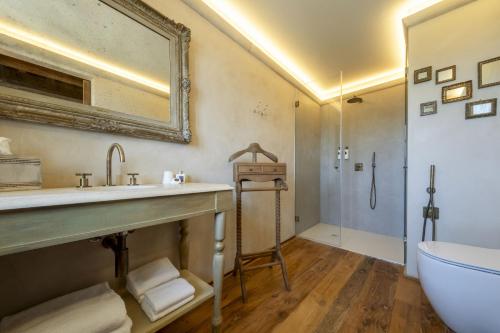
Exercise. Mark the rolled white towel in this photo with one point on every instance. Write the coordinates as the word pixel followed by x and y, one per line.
pixel 125 328
pixel 96 309
pixel 166 298
pixel 149 276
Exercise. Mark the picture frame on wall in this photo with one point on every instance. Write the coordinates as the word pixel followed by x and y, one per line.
pixel 481 109
pixel 422 75
pixel 456 92
pixel 428 108
pixel 488 72
pixel 446 74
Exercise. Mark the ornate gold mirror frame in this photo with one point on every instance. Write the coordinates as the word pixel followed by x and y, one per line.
pixel 91 118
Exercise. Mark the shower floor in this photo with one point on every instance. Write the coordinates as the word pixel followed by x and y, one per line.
pixel 374 245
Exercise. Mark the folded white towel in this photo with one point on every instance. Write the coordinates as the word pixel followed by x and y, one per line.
pixel 154 316
pixel 149 276
pixel 96 309
pixel 125 328
pixel 166 298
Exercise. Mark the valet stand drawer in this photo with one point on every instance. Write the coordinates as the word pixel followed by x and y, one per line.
pixel 249 169
pixel 275 169
pixel 259 172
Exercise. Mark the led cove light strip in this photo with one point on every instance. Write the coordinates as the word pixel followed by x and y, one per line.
pixel 57 48
pixel 257 38
pixel 232 16
pixel 368 82
pixel 417 6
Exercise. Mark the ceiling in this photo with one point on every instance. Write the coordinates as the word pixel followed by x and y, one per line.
pixel 313 40
pixel 322 37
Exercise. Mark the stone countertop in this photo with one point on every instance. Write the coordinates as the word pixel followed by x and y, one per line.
pixel 72 196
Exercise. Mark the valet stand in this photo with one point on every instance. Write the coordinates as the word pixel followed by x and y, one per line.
pixel 258 172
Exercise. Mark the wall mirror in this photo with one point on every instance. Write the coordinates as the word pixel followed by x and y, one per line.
pixel 422 75
pixel 486 108
pixel 489 73
pixel 115 66
pixel 446 74
pixel 457 92
pixel 428 108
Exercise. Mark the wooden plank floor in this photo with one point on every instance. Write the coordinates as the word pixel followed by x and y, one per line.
pixel 333 290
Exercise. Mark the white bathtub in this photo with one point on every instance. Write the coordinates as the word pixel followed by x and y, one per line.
pixel 463 285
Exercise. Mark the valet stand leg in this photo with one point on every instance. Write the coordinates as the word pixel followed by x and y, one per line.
pixel 238 261
pixel 277 184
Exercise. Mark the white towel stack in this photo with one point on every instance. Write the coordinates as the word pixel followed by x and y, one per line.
pixel 166 298
pixel 157 286
pixel 96 309
pixel 149 276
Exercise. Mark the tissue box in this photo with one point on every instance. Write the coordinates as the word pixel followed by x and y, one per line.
pixel 19 173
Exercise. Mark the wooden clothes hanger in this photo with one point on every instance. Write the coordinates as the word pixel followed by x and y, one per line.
pixel 255 149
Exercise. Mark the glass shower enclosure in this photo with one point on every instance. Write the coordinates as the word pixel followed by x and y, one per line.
pixel 361 172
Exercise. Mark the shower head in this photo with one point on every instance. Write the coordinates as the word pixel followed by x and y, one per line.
pixel 354 100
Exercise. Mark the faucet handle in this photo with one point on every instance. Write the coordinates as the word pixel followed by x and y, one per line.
pixel 133 178
pixel 84 180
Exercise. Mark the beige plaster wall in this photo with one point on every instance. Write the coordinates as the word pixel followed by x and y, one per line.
pixel 376 125
pixel 227 84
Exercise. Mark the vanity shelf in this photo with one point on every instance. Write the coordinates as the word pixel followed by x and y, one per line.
pixel 31 220
pixel 141 323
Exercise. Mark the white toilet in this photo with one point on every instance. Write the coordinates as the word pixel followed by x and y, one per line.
pixel 463 285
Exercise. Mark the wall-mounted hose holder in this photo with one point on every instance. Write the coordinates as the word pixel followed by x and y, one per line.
pixel 430 211
pixel 373 189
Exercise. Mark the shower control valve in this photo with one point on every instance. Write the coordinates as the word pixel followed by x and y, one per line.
pixel 346 153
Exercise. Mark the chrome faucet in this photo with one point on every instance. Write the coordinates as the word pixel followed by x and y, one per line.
pixel 109 160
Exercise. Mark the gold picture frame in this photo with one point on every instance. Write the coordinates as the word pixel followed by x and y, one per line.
pixel 474 110
pixel 480 74
pixel 428 108
pixel 456 92
pixel 422 75
pixel 453 77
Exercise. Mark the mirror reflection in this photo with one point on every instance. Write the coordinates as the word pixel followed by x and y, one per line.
pixel 118 75
pixel 456 93
pixel 489 73
pixel 422 76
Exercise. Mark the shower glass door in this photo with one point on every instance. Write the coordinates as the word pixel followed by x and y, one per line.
pixel 361 178
pixel 330 229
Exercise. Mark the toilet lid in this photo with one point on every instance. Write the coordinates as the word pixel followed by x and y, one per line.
pixel 487 260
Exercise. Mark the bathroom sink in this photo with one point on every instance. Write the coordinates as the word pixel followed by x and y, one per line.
pixel 121 188
pixel 72 195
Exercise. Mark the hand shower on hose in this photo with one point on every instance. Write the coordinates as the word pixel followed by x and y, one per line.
pixel 430 211
pixel 373 191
